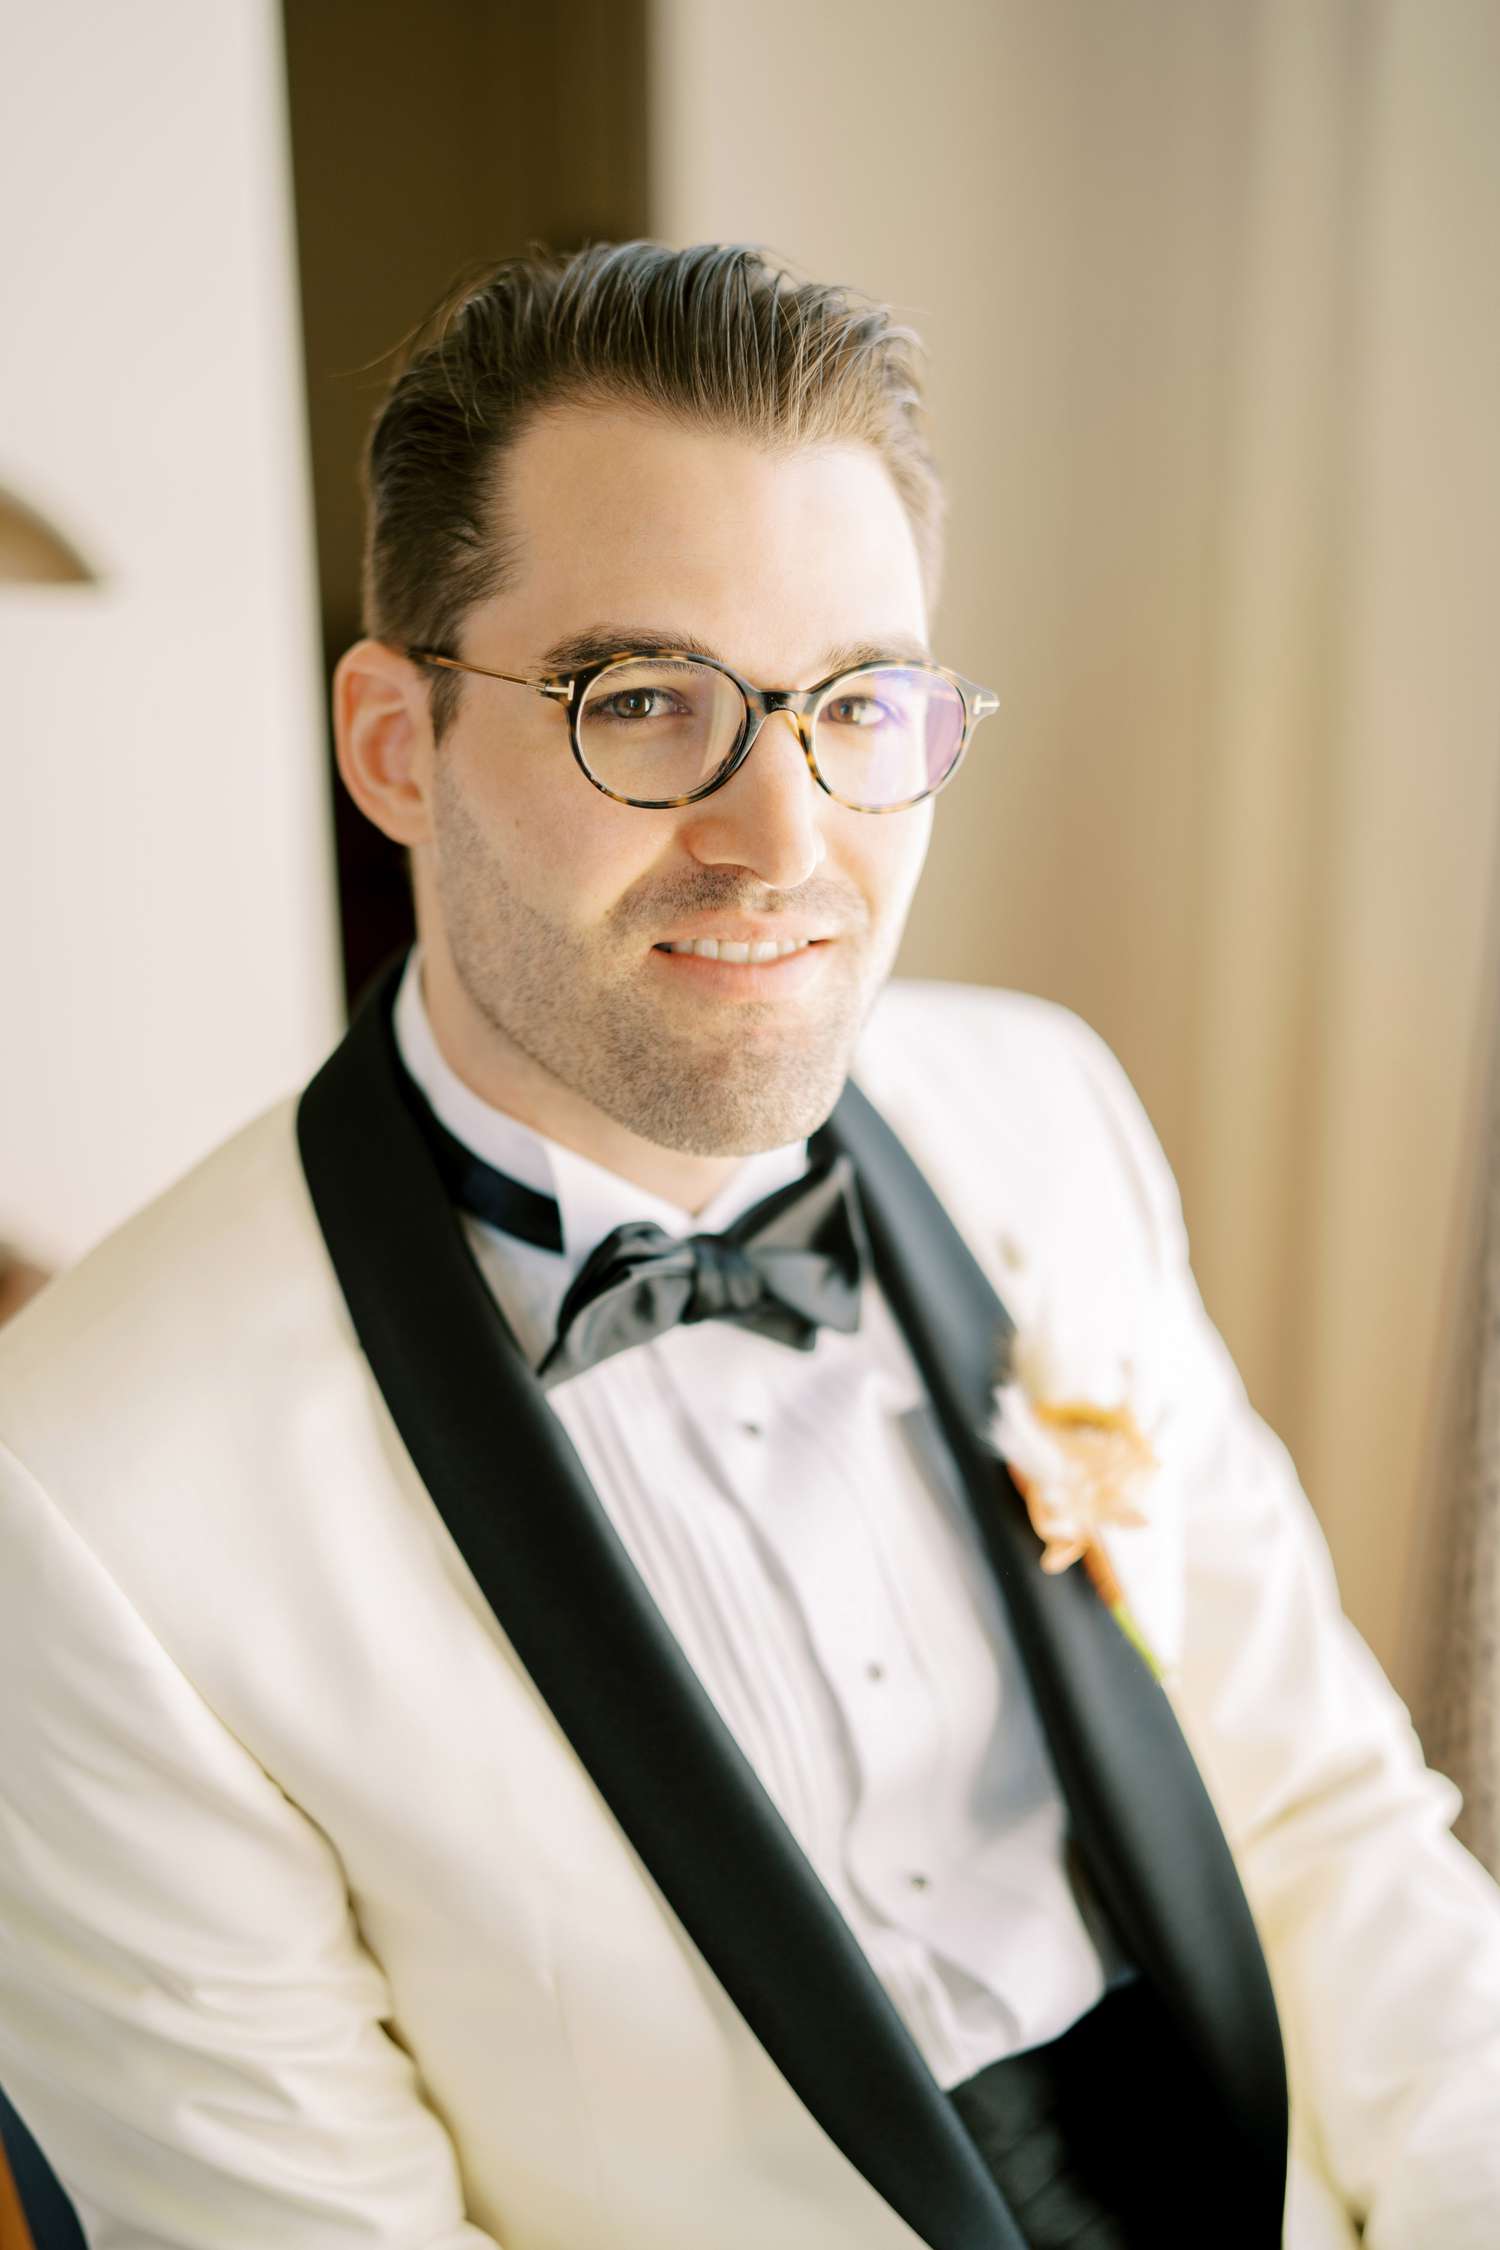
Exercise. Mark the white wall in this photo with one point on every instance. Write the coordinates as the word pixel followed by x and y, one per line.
pixel 168 949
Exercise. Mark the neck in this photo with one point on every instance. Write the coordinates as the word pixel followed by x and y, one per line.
pixel 495 1069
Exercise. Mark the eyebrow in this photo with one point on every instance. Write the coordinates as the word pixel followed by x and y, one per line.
pixel 596 642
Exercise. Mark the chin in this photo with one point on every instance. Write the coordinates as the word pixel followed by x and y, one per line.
pixel 702 1116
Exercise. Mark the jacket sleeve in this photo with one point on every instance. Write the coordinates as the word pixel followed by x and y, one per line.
pixel 1381 1932
pixel 189 2024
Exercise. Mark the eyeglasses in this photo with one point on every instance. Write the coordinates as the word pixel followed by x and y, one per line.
pixel 655 729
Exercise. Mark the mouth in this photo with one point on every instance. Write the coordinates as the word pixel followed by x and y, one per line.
pixel 765 970
pixel 743 952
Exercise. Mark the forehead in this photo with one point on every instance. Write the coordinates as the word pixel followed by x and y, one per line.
pixel 769 556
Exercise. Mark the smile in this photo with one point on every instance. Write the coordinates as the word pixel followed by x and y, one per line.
pixel 712 968
pixel 726 949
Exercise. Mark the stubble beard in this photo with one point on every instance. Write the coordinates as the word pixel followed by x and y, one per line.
pixel 749 1076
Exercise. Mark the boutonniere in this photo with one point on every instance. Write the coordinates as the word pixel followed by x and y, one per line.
pixel 1068 1418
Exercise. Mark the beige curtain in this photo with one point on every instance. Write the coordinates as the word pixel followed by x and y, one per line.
pixel 1458 1713
pixel 1351 759
pixel 1209 288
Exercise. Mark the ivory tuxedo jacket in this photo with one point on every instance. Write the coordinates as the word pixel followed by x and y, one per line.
pixel 374 1869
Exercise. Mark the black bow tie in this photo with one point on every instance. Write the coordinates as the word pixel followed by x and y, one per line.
pixel 789 1265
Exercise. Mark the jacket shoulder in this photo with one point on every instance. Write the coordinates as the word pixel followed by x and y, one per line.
pixel 989 1080
pixel 224 1258
pixel 959 1030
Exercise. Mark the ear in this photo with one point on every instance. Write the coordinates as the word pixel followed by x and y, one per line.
pixel 384 738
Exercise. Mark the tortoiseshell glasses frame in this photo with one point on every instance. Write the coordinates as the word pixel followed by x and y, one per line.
pixel 801 704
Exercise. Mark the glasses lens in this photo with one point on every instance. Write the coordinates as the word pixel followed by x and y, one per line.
pixel 656 728
pixel 887 735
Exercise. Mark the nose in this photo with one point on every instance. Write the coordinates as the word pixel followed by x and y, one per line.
pixel 767 815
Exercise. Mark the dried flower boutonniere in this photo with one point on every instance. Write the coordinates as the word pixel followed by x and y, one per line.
pixel 1066 1425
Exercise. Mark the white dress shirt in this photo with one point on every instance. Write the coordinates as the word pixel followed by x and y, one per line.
pixel 798 1525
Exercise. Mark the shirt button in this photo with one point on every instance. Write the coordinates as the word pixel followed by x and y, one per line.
pixel 874 1671
pixel 919 1882
pixel 753 1429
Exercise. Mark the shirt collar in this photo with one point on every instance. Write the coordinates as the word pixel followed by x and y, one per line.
pixel 591 1201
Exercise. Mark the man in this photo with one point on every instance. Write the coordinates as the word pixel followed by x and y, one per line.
pixel 536 1713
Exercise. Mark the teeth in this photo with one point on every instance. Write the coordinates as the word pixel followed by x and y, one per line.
pixel 727 949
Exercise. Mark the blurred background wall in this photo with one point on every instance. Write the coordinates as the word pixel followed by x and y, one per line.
pixel 167 911
pixel 1208 290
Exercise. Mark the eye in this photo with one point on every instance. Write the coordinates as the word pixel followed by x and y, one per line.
pixel 611 708
pixel 858 711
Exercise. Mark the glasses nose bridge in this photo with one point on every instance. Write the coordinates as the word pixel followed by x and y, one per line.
pixel 787 703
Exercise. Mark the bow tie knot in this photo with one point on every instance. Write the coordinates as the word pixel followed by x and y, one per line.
pixel 790 1265
pixel 725 1278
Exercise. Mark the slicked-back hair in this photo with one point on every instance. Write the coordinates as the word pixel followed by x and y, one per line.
pixel 718 336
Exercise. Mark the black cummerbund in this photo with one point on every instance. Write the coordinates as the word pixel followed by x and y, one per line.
pixel 1098 2139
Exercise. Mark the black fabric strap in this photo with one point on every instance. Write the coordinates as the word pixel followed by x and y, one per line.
pixel 490 1194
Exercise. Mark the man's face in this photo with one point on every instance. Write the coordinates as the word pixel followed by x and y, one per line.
pixel 550 903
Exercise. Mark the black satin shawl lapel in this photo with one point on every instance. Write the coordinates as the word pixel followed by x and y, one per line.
pixel 519 1505
pixel 1141 1815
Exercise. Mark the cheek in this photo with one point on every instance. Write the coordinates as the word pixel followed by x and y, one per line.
pixel 885 855
pixel 563 847
pixel 516 790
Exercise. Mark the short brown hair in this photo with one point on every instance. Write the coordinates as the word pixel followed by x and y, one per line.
pixel 716 335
